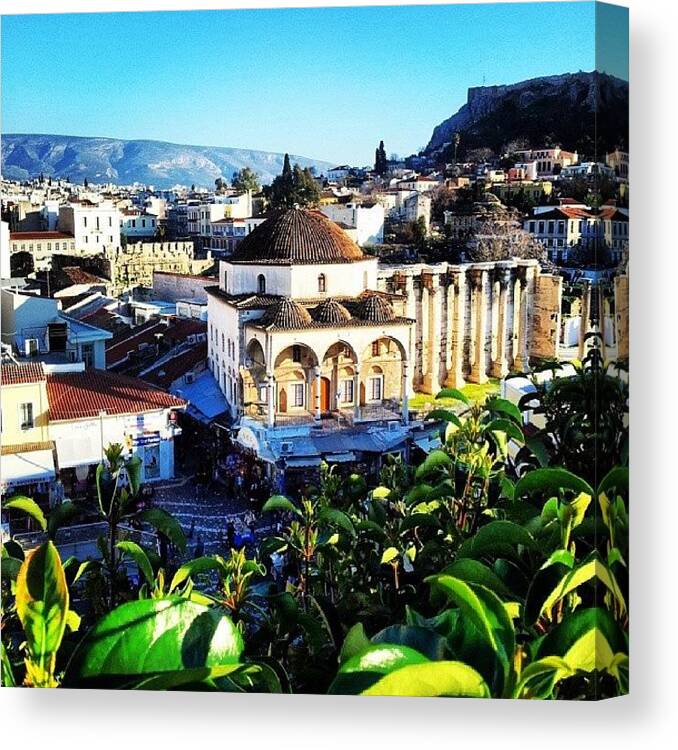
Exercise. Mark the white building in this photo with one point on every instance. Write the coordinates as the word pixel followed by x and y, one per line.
pixel 94 226
pixel 545 160
pixel 137 225
pixel 367 221
pixel 37 330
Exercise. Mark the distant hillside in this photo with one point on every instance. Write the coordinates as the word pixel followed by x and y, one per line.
pixel 579 111
pixel 123 162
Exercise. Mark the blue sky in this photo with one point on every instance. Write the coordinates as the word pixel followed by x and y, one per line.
pixel 325 83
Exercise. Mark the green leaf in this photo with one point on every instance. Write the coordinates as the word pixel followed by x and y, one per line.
pixel 153 637
pixel 498 538
pixel 587 639
pixel 538 449
pixel 617 478
pixel 452 393
pixel 333 517
pixel 486 612
pixel 42 607
pixel 444 415
pixel 356 642
pixel 538 679
pixel 10 568
pixel 423 640
pixel 362 670
pixel 194 567
pixel 548 481
pixel 140 558
pixel 12 548
pixel 381 493
pixel 435 460
pixel 416 520
pixel 29 507
pixel 435 678
pixel 472 571
pixel 133 469
pixel 280 503
pixel 166 524
pixel 390 554
pixel 504 406
pixel 506 426
pixel 86 567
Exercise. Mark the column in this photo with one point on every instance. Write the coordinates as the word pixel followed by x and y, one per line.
pixel 423 334
pixel 521 356
pixel 585 319
pixel 432 374
pixel 270 393
pixel 449 323
pixel 500 367
pixel 457 331
pixel 316 372
pixel 405 394
pixel 601 319
pixel 356 392
pixel 479 360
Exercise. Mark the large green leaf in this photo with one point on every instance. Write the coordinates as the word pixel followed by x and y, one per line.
pixel 356 641
pixel 42 606
pixel 453 393
pixel 504 406
pixel 151 637
pixel 166 524
pixel 418 519
pixel 424 640
pixel 279 503
pixel 435 678
pixel 486 612
pixel 617 478
pixel 510 429
pixel 140 558
pixel 29 507
pixel 587 639
pixel 435 460
pixel 473 571
pixel 338 519
pixel 497 539
pixel 365 668
pixel 547 482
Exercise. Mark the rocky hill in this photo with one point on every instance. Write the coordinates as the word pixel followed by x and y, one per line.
pixel 579 111
pixel 151 162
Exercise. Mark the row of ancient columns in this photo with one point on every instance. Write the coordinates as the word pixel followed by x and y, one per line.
pixel 444 322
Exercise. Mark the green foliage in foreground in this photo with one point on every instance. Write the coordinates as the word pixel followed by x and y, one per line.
pixel 486 571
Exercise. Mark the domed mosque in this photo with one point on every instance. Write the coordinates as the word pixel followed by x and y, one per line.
pixel 305 348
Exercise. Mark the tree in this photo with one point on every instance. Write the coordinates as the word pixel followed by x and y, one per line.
pixel 294 187
pixel 85 182
pixel 220 184
pixel 380 160
pixel 246 179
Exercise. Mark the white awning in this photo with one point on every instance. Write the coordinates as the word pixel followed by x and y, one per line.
pixel 28 467
pixel 340 458
pixel 428 443
pixel 302 461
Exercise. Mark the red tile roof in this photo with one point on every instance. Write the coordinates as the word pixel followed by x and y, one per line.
pixel 167 372
pixel 40 236
pixel 83 395
pixel 177 331
pixel 25 372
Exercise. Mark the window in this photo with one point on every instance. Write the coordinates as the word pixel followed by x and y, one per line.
pixel 296 353
pixel 541 227
pixel 375 348
pixel 49 245
pixel 263 393
pixel 223 342
pixel 26 416
pixel 322 283
pixel 261 284
pixel 347 391
pixel 375 388
pixel 84 221
pixel 298 395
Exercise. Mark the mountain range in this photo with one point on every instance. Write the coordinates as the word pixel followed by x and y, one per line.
pixel 120 161
pixel 584 112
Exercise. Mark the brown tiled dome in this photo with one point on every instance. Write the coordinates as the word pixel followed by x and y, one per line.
pixel 376 309
pixel 330 311
pixel 285 313
pixel 297 235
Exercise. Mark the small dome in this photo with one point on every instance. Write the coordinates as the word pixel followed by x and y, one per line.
pixel 297 235
pixel 376 309
pixel 285 313
pixel 330 311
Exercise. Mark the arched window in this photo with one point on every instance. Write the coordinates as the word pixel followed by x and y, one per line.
pixel 261 283
pixel 322 283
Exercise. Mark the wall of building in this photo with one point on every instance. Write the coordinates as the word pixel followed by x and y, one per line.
pixel 178 286
pixel 11 398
